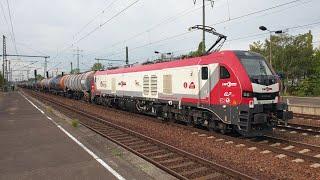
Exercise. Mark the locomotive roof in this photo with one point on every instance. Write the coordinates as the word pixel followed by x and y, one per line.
pixel 206 59
pixel 247 54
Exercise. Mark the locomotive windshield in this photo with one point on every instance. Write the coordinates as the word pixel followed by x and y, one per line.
pixel 255 64
pixel 256 67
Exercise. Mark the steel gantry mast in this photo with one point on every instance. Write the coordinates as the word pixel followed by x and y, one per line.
pixel 4 52
pixel 204 22
pixel 78 51
pixel 30 56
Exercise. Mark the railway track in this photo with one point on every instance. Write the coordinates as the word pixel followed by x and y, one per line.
pixel 176 162
pixel 301 151
pixel 306 116
pixel 282 147
pixel 294 128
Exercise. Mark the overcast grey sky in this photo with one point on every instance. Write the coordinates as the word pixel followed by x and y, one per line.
pixel 102 28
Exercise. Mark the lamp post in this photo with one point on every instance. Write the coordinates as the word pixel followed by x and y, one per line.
pixel 263 28
pixel 163 54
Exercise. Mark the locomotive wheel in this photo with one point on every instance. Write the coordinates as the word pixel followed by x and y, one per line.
pixel 223 128
pixel 223 131
pixel 190 121
pixel 212 126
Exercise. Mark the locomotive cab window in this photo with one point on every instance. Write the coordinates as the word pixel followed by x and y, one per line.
pixel 204 73
pixel 224 73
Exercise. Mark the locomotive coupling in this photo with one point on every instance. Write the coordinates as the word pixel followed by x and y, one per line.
pixel 260 118
pixel 283 113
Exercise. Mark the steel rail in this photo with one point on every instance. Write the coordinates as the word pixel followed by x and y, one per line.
pixel 301 128
pixel 306 116
pixel 304 145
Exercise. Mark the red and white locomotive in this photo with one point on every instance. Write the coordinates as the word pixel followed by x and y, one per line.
pixel 226 91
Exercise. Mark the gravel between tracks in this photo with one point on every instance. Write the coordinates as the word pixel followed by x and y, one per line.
pixel 305 138
pixel 299 137
pixel 262 166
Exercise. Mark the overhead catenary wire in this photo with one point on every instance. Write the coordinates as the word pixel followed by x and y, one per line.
pixel 95 17
pixel 285 8
pixel 28 47
pixel 231 19
pixel 6 21
pixel 104 23
pixel 244 37
pixel 26 66
pixel 256 12
pixel 162 22
pixel 5 18
pixel 12 29
pixel 235 18
pixel 255 36
pixel 165 21
pixel 96 28
pixel 184 33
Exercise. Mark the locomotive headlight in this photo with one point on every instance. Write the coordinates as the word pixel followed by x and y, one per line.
pixel 251 104
pixel 247 94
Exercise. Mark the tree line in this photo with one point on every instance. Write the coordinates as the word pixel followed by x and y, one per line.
pixel 296 60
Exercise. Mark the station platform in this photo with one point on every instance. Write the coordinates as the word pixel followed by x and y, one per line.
pixel 307 101
pixel 39 144
pixel 32 147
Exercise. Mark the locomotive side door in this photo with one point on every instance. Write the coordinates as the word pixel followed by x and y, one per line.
pixel 228 89
pixel 204 86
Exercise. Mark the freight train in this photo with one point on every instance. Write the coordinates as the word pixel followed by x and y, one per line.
pixel 226 91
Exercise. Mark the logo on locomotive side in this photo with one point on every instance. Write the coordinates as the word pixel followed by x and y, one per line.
pixel 122 83
pixel 267 89
pixel 103 84
pixel 227 94
pixel 192 85
pixel 185 85
pixel 229 84
pixel 137 83
pixel 225 100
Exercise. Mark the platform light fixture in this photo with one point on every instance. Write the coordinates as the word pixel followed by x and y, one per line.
pixel 263 28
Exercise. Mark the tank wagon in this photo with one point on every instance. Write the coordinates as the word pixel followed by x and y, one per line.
pixel 225 91
pixel 54 84
pixel 78 85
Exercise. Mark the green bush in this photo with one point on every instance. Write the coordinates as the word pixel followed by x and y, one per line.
pixel 74 122
pixel 309 87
